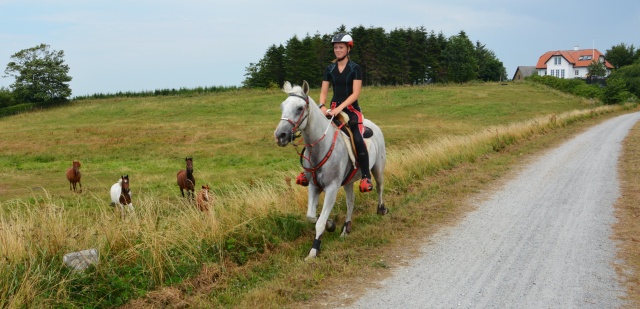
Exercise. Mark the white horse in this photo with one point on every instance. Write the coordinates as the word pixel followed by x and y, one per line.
pixel 121 195
pixel 326 159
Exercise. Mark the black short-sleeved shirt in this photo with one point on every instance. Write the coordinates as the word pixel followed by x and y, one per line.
pixel 343 82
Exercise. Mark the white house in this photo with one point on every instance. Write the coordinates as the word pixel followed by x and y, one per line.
pixel 570 63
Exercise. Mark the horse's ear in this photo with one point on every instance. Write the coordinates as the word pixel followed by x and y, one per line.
pixel 305 87
pixel 287 87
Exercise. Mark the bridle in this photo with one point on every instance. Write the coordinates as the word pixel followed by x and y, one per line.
pixel 303 116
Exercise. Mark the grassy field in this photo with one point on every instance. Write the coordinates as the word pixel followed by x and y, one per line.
pixel 248 250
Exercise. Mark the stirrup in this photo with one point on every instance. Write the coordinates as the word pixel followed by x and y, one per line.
pixel 302 180
pixel 365 185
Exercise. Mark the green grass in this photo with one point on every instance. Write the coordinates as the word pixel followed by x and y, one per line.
pixel 230 137
pixel 228 134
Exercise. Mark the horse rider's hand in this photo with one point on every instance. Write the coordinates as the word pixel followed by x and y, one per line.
pixel 328 114
pixel 333 112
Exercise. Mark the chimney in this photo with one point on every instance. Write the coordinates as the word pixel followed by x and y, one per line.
pixel 576 47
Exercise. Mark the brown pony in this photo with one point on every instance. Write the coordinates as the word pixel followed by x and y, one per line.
pixel 203 200
pixel 186 181
pixel 73 175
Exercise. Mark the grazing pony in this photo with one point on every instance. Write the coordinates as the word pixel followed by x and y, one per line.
pixel 203 200
pixel 73 175
pixel 186 181
pixel 325 158
pixel 121 195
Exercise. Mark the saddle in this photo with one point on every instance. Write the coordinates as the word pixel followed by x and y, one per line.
pixel 347 135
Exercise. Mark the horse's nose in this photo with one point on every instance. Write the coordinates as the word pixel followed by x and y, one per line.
pixel 282 139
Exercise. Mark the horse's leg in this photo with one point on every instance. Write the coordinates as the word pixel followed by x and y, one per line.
pixel 312 204
pixel 329 200
pixel 378 175
pixel 80 186
pixel 350 197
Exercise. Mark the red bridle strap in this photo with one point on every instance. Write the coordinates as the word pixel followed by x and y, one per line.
pixel 324 160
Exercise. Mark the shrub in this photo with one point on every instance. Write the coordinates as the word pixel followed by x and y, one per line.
pixel 16 109
pixel 6 97
pixel 615 91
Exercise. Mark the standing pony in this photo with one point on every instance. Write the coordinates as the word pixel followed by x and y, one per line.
pixel 121 195
pixel 73 175
pixel 186 181
pixel 325 158
pixel 204 198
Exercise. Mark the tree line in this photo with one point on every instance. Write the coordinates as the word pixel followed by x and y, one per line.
pixel 625 79
pixel 398 57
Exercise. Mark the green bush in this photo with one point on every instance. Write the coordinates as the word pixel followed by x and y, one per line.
pixel 16 109
pixel 574 86
pixel 615 92
pixel 6 97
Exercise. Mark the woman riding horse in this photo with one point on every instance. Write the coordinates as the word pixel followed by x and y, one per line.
pixel 346 78
pixel 326 158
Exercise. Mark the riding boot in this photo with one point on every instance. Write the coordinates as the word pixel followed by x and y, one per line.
pixel 363 161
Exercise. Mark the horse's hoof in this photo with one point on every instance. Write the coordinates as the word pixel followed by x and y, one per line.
pixel 383 211
pixel 331 226
pixel 312 256
pixel 312 219
pixel 347 227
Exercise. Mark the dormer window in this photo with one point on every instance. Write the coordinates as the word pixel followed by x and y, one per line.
pixel 557 60
pixel 585 57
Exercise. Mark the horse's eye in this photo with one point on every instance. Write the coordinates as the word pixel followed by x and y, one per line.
pixel 300 109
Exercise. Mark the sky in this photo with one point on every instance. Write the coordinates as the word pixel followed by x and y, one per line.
pixel 141 45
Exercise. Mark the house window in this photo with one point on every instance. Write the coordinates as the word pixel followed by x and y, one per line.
pixel 551 73
pixel 562 73
pixel 577 72
pixel 557 60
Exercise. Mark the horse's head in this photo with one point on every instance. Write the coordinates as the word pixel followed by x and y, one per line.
pixel 76 165
pixel 189 161
pixel 124 183
pixel 295 110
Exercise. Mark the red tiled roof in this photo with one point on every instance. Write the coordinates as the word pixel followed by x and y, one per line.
pixel 573 56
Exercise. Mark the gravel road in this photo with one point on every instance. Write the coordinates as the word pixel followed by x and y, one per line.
pixel 541 241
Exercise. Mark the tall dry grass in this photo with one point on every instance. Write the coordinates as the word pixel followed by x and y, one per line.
pixel 426 158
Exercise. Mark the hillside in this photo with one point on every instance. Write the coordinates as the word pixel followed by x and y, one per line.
pixel 443 142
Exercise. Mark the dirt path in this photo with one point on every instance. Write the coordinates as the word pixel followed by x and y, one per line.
pixel 541 241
